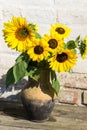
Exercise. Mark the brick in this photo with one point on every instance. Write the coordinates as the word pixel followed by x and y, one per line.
pixel 72 4
pixel 7 60
pixel 40 15
pixel 74 15
pixel 27 3
pixel 12 93
pixel 69 96
pixel 40 3
pixel 5 50
pixel 84 98
pixel 81 65
pixel 9 11
pixel 73 80
pixel 76 30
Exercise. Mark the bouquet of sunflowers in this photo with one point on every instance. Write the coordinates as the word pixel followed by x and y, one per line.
pixel 51 51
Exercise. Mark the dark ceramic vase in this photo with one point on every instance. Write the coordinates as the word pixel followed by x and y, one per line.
pixel 38 97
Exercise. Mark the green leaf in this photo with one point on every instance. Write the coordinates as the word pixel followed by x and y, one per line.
pixel 71 44
pixel 19 58
pixel 55 82
pixel 33 26
pixel 33 72
pixel 19 70
pixel 10 77
pixel 23 57
pixel 78 38
pixel 37 35
pixel 77 41
pixel 82 47
pixel 53 75
pixel 56 86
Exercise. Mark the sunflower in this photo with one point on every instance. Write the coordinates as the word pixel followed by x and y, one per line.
pixel 54 42
pixel 18 33
pixel 83 48
pixel 61 30
pixel 38 50
pixel 63 61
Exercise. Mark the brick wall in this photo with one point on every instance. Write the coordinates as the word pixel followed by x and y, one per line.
pixel 72 13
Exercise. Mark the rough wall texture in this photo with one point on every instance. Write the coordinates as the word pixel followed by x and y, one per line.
pixel 72 13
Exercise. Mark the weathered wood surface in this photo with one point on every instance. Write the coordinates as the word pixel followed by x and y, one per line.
pixel 63 117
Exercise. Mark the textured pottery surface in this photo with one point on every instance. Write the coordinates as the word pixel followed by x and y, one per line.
pixel 38 97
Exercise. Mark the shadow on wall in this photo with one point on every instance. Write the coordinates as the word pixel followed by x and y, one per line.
pixel 12 93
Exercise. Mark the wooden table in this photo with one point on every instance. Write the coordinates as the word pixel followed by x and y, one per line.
pixel 63 117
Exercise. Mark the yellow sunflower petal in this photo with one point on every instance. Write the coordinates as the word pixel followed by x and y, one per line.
pixel 63 61
pixel 18 30
pixel 61 30
pixel 39 49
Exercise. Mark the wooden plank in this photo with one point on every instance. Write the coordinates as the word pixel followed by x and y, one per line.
pixel 13 128
pixel 63 117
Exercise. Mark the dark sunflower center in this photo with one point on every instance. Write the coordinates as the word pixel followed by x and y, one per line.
pixel 60 30
pixel 23 32
pixel 53 43
pixel 62 57
pixel 38 50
